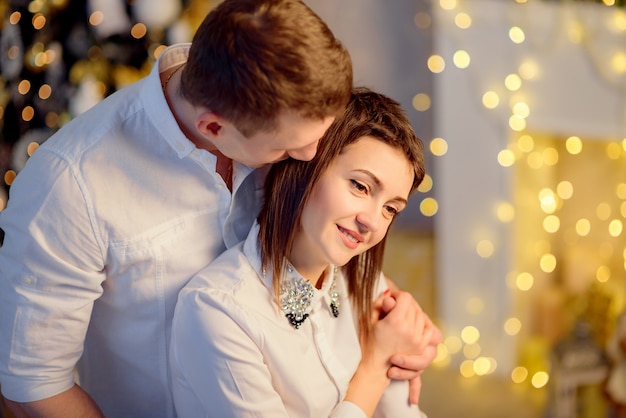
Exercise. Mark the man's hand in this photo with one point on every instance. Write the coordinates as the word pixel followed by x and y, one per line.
pixel 410 366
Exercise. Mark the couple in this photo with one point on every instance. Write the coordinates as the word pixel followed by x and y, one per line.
pixel 114 214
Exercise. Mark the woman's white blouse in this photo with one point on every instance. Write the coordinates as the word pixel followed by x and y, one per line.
pixel 234 354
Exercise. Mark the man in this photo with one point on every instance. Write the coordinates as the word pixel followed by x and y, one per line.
pixel 115 212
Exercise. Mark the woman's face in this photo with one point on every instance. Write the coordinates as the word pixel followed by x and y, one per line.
pixel 353 203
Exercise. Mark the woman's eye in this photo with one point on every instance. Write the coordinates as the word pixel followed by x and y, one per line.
pixel 391 210
pixel 359 186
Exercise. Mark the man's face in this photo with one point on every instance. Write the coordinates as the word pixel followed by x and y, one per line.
pixel 294 137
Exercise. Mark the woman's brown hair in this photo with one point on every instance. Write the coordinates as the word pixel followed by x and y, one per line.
pixel 289 185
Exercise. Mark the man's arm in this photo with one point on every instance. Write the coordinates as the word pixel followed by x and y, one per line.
pixel 69 404
pixel 409 366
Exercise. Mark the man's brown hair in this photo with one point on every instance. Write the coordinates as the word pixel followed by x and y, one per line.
pixel 251 59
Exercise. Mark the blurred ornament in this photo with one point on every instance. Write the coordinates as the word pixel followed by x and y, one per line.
pixel 115 20
pixel 89 93
pixel 11 51
pixel 156 14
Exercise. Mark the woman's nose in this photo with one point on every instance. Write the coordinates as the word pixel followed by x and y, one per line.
pixel 369 219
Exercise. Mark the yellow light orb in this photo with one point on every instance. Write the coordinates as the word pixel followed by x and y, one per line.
pixel 436 64
pixel 524 281
pixel 573 145
pixel 547 263
pixel 512 326
pixel 461 59
pixel 421 102
pixel 429 207
pixel 583 227
pixel 470 334
pixel 516 34
pixel 426 185
pixel 551 224
pixel 438 146
pixel 491 100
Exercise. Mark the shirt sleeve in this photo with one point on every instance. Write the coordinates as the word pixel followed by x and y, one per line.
pixel 217 368
pixel 395 402
pixel 50 274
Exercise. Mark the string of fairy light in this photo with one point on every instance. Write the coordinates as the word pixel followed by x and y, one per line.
pixel 521 148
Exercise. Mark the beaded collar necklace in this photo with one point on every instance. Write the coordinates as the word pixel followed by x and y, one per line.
pixel 296 295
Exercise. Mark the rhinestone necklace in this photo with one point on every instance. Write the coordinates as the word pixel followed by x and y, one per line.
pixel 296 295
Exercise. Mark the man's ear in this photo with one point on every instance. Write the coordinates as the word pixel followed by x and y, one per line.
pixel 209 124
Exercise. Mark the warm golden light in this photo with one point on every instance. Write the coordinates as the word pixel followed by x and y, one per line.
pixel 521 109
pixel 618 62
pixel 547 263
pixel 485 248
pixel 540 379
pixel 603 211
pixel 426 185
pixel 32 147
pixel 9 176
pixel 461 59
pixel 603 274
pixel 438 146
pixel 470 335
pixel 583 227
pixel 613 150
pixel 620 191
pixel 519 374
pixel 505 212
pixel 512 326
pixel 39 21
pixel 436 64
pixel 574 145
pixel 528 70
pixel 28 113
pixel 551 224
pixel 565 189
pixel 550 156
pixel 524 281
pixel 462 20
pixel 138 30
pixel 453 344
pixel 96 18
pixel 491 100
pixel 513 82
pixel 615 228
pixel 45 91
pixel 23 87
pixel 547 200
pixel 467 368
pixel 471 351
pixel 516 34
pixel 421 102
pixel 525 143
pixel 447 4
pixel 517 123
pixel 429 207
pixel 506 158
pixel 14 18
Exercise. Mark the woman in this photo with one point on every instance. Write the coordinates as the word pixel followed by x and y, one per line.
pixel 294 322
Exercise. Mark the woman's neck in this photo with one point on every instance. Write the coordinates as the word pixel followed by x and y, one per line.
pixel 313 272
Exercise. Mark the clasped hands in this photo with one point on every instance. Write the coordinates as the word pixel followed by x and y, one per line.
pixel 404 338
